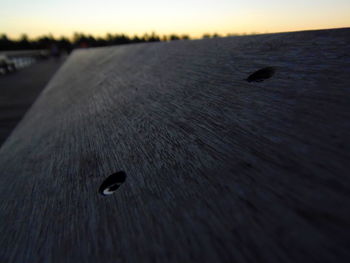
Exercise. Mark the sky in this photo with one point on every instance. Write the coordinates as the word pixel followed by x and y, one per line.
pixel 192 17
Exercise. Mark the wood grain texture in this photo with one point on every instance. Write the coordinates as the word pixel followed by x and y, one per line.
pixel 218 169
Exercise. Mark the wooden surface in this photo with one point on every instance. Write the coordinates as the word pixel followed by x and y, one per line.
pixel 218 169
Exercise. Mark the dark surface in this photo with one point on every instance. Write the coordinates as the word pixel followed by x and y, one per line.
pixel 19 90
pixel 218 169
pixel 261 74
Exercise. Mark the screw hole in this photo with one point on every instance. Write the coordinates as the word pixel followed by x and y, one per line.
pixel 112 183
pixel 262 74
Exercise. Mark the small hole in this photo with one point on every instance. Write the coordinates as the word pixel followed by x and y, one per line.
pixel 262 74
pixel 112 183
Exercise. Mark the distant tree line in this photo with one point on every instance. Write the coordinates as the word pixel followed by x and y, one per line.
pixel 80 40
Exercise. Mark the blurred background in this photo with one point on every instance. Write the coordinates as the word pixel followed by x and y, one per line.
pixel 36 24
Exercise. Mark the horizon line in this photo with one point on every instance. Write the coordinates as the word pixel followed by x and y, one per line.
pixel 191 36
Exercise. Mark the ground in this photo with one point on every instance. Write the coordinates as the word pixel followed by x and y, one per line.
pixel 19 90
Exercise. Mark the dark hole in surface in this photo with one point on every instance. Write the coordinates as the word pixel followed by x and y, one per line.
pixel 262 74
pixel 112 183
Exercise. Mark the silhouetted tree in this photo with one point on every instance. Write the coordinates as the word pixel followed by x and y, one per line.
pixel 165 38
pixel 24 42
pixel 80 40
pixel 44 42
pixel 5 43
pixel 65 44
pixel 136 39
pixel 120 39
pixel 153 38
pixel 206 35
pixel 174 37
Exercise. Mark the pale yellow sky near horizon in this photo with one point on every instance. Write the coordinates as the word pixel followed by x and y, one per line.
pixel 192 17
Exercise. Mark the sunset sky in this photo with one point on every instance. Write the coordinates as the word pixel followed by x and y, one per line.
pixel 193 17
